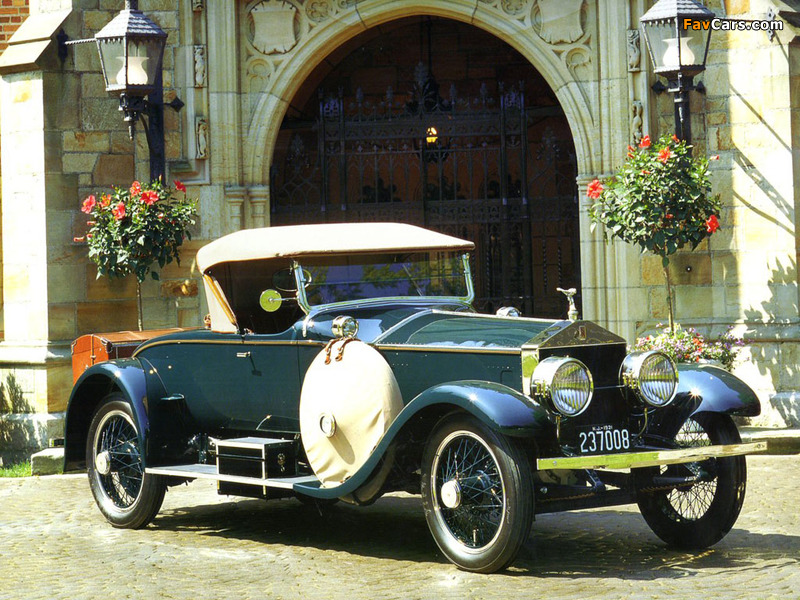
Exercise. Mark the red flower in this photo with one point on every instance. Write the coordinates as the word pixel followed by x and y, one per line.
pixel 668 216
pixel 136 188
pixel 180 187
pixel 664 155
pixel 715 157
pixel 118 211
pixel 645 172
pixel 595 189
pixel 675 138
pixel 712 224
pixel 88 204
pixel 105 200
pixel 645 143
pixel 149 197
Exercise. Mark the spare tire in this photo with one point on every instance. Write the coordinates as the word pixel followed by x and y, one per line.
pixel 346 406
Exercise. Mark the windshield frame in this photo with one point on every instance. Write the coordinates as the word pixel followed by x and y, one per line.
pixel 302 299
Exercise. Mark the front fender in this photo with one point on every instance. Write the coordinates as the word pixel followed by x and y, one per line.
pixel 502 408
pixel 717 390
pixel 123 375
pixel 704 388
pixel 498 406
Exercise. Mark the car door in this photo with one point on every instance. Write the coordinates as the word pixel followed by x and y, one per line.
pixel 241 383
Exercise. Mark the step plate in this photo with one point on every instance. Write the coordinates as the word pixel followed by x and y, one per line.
pixel 200 471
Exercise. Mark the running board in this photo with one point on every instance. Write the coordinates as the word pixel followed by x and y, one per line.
pixel 200 471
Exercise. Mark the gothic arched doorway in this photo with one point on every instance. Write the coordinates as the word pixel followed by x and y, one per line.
pixel 437 123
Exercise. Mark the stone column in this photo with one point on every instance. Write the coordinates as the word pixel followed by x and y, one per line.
pixel 39 101
pixel 259 206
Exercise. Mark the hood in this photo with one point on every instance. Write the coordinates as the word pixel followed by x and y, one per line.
pixel 464 330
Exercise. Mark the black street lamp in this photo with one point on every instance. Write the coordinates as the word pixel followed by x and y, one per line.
pixel 131 48
pixel 678 33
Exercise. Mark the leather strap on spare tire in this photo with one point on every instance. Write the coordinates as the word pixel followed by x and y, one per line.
pixel 349 399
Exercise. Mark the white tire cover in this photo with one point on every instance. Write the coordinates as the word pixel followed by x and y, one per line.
pixel 361 393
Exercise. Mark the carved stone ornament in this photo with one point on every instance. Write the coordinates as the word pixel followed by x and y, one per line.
pixel 273 22
pixel 514 7
pixel 198 5
pixel 560 20
pixel 318 10
pixel 637 122
pixel 201 137
pixel 199 66
pixel 634 50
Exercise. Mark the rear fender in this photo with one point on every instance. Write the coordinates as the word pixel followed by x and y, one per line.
pixel 126 376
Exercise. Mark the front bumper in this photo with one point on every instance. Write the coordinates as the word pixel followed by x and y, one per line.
pixel 648 458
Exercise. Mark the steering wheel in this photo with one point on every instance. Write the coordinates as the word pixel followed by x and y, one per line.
pixel 285 281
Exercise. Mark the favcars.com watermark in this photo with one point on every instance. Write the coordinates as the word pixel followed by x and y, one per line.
pixel 733 25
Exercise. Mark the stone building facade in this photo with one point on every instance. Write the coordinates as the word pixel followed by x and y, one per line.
pixel 248 70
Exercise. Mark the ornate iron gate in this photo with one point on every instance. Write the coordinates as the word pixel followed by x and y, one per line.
pixel 486 169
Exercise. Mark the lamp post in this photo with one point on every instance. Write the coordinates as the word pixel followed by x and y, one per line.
pixel 677 33
pixel 131 48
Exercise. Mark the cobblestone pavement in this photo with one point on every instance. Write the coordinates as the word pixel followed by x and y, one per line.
pixel 55 544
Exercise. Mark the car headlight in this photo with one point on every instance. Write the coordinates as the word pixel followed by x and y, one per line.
pixel 565 383
pixel 652 376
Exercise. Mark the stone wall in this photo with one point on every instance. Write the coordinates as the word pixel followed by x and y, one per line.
pixel 745 275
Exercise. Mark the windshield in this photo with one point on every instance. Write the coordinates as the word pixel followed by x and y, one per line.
pixel 368 276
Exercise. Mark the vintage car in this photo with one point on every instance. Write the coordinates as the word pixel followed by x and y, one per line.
pixel 346 361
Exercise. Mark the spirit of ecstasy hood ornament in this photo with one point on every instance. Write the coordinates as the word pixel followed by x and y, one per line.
pixel 572 313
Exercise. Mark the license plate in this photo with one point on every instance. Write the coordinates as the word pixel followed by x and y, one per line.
pixel 602 439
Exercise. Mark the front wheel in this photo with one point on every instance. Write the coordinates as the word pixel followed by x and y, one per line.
pixel 477 494
pixel 126 495
pixel 695 505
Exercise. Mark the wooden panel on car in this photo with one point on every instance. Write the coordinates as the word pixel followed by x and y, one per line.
pixel 97 347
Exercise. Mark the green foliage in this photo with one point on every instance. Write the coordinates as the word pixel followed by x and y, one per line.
pixel 131 229
pixel 660 198
pixel 686 345
pixel 18 470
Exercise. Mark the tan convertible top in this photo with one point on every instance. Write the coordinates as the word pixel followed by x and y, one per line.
pixel 328 238
pixel 310 240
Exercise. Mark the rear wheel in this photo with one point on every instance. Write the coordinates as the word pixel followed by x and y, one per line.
pixel 477 494
pixel 126 495
pixel 701 511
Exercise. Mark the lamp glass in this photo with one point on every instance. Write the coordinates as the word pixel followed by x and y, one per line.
pixel 674 49
pixel 112 59
pixel 151 50
pixel 657 34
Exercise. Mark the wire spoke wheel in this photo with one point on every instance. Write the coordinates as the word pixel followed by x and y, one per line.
pixel 125 494
pixel 117 438
pixel 477 494
pixel 467 465
pixel 694 505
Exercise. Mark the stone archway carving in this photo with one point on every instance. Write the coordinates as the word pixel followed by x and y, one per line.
pixel 560 40
pixel 567 61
